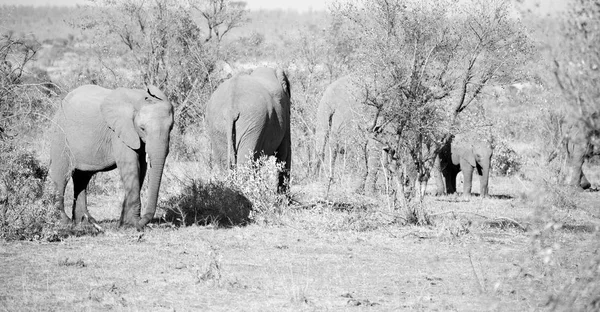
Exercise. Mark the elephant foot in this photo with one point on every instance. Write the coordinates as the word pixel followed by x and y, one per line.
pixel 85 218
pixel 131 222
pixel 65 221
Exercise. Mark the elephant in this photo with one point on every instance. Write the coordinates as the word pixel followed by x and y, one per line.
pixel 466 157
pixel 581 143
pixel 247 116
pixel 98 129
pixel 343 121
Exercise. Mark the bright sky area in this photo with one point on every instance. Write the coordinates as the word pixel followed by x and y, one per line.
pixel 301 5
pixel 538 6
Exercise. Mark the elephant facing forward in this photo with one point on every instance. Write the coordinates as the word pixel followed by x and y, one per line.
pixel 581 143
pixel 98 129
pixel 454 158
pixel 249 115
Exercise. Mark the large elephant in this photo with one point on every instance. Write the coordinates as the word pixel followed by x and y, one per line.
pixel 465 157
pixel 249 116
pixel 343 121
pixel 581 143
pixel 98 129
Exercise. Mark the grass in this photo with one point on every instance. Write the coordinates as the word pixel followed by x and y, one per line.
pixel 531 246
pixel 326 255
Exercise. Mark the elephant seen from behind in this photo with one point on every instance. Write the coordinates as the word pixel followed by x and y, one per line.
pixel 249 116
pixel 465 157
pixel 98 129
pixel 343 121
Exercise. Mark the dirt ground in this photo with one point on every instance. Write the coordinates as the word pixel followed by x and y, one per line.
pixel 463 262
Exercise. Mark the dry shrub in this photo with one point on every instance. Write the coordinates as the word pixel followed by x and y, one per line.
pixel 29 214
pixel 214 202
pixel 416 213
pixel 581 293
pixel 553 243
pixel 248 193
pixel 257 180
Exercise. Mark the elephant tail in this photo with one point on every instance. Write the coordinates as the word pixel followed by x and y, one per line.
pixel 231 142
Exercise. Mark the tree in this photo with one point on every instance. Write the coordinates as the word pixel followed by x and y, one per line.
pixel 577 64
pixel 221 16
pixel 163 42
pixel 424 63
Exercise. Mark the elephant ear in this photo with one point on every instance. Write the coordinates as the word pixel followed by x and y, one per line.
pixel 118 112
pixel 469 155
pixel 283 80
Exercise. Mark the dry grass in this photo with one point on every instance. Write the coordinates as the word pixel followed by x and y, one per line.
pixel 531 246
pixel 495 253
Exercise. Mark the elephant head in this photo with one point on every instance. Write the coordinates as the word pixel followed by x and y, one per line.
pixel 143 121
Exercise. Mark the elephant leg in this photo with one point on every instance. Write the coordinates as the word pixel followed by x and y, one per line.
pixel 81 179
pixel 373 167
pixel 439 178
pixel 60 177
pixel 332 155
pixel 132 179
pixel 284 154
pixel 365 175
pixel 484 172
pixel 467 170
pixel 449 173
pixel 584 183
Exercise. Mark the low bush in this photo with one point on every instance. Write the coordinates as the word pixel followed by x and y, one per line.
pixel 248 193
pixel 213 202
pixel 27 210
pixel 505 161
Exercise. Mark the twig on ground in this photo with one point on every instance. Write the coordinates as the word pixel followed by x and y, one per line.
pixel 481 287
pixel 459 211
pixel 512 221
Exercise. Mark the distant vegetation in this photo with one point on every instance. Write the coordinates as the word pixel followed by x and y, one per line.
pixel 432 69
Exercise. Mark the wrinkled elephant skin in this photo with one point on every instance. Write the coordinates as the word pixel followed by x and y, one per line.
pixel 98 129
pixel 454 158
pixel 342 122
pixel 249 116
pixel 579 146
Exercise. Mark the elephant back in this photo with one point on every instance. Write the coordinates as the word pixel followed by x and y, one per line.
pixel 81 105
pixel 342 103
pixel 275 81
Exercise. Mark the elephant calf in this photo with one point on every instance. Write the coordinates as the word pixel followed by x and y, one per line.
pixel 454 158
pixel 98 129
pixel 249 115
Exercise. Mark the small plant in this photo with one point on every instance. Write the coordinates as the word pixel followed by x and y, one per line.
pixel 27 210
pixel 212 202
pixel 416 214
pixel 211 273
pixel 505 160
pixel 257 180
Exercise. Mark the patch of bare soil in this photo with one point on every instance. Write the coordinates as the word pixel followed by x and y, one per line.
pixel 472 259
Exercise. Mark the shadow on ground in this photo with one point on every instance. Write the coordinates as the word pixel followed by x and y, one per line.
pixel 459 198
pixel 208 203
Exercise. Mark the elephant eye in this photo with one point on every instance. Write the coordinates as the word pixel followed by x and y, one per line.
pixel 143 128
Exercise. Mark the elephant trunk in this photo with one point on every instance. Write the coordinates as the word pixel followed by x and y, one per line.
pixel 157 155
